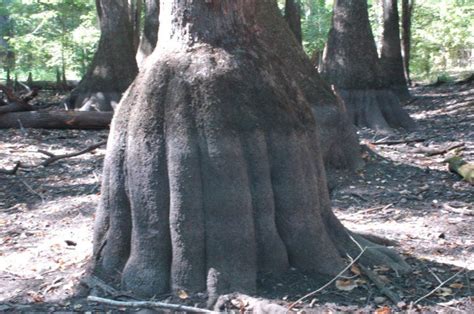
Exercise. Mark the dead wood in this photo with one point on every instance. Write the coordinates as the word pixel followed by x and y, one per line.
pixel 14 102
pixel 439 151
pixel 13 170
pixel 380 285
pixel 51 158
pixel 56 120
pixel 396 142
pixel 149 304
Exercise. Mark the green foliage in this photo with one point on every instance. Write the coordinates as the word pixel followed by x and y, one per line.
pixel 316 22
pixel 442 39
pixel 52 35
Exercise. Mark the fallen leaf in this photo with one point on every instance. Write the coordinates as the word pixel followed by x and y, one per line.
pixel 345 285
pixel 444 292
pixel 383 310
pixel 355 270
pixel 183 295
pixel 456 285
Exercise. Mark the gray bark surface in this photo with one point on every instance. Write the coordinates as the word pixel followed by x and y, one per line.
pixel 149 37
pixel 214 174
pixel 114 66
pixel 293 18
pixel 391 55
pixel 351 64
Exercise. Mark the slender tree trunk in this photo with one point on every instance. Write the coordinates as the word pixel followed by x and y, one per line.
pixel 114 66
pixel 213 174
pixel 150 30
pixel 407 11
pixel 293 18
pixel 391 55
pixel 7 56
pixel 351 64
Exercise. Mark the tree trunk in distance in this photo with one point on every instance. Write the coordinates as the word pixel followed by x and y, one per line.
pixel 56 120
pixel 150 30
pixel 114 66
pixel 407 11
pixel 351 64
pixel 213 174
pixel 293 18
pixel 391 56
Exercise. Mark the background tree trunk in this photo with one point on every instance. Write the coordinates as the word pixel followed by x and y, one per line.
pixel 351 64
pixel 293 18
pixel 7 56
pixel 407 11
pixel 114 66
pixel 213 174
pixel 391 55
pixel 150 30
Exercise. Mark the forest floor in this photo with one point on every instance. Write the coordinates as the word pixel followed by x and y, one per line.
pixel 403 195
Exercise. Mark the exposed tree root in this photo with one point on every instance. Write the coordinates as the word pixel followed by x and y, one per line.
pixel 376 109
pixel 94 101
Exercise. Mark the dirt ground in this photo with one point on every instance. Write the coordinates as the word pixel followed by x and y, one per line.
pixel 405 194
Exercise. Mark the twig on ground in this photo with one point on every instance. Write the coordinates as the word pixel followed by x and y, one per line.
pixel 402 141
pixel 32 191
pixel 149 304
pixel 51 158
pixel 438 287
pixel 374 278
pixel 13 170
pixel 438 151
pixel 292 305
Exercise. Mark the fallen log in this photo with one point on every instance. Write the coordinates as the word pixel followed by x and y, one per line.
pixel 56 120
pixel 462 168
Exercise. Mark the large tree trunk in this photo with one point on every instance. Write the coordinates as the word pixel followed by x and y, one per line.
pixel 114 66
pixel 407 11
pixel 351 64
pixel 391 56
pixel 150 30
pixel 293 18
pixel 213 174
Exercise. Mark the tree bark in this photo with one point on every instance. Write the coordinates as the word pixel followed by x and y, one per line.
pixel 213 174
pixel 56 120
pixel 407 11
pixel 351 64
pixel 7 56
pixel 293 18
pixel 114 66
pixel 391 55
pixel 150 30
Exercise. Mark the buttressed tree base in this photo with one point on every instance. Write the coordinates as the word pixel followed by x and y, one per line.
pixel 114 66
pixel 214 172
pixel 351 64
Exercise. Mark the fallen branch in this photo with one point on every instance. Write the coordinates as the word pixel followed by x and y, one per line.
pixel 51 158
pixel 16 103
pixel 441 151
pixel 56 120
pixel 380 285
pixel 395 142
pixel 149 304
pixel 13 170
pixel 292 305
pixel 462 168
pixel 438 287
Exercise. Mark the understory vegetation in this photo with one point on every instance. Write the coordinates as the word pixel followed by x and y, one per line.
pixel 46 38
